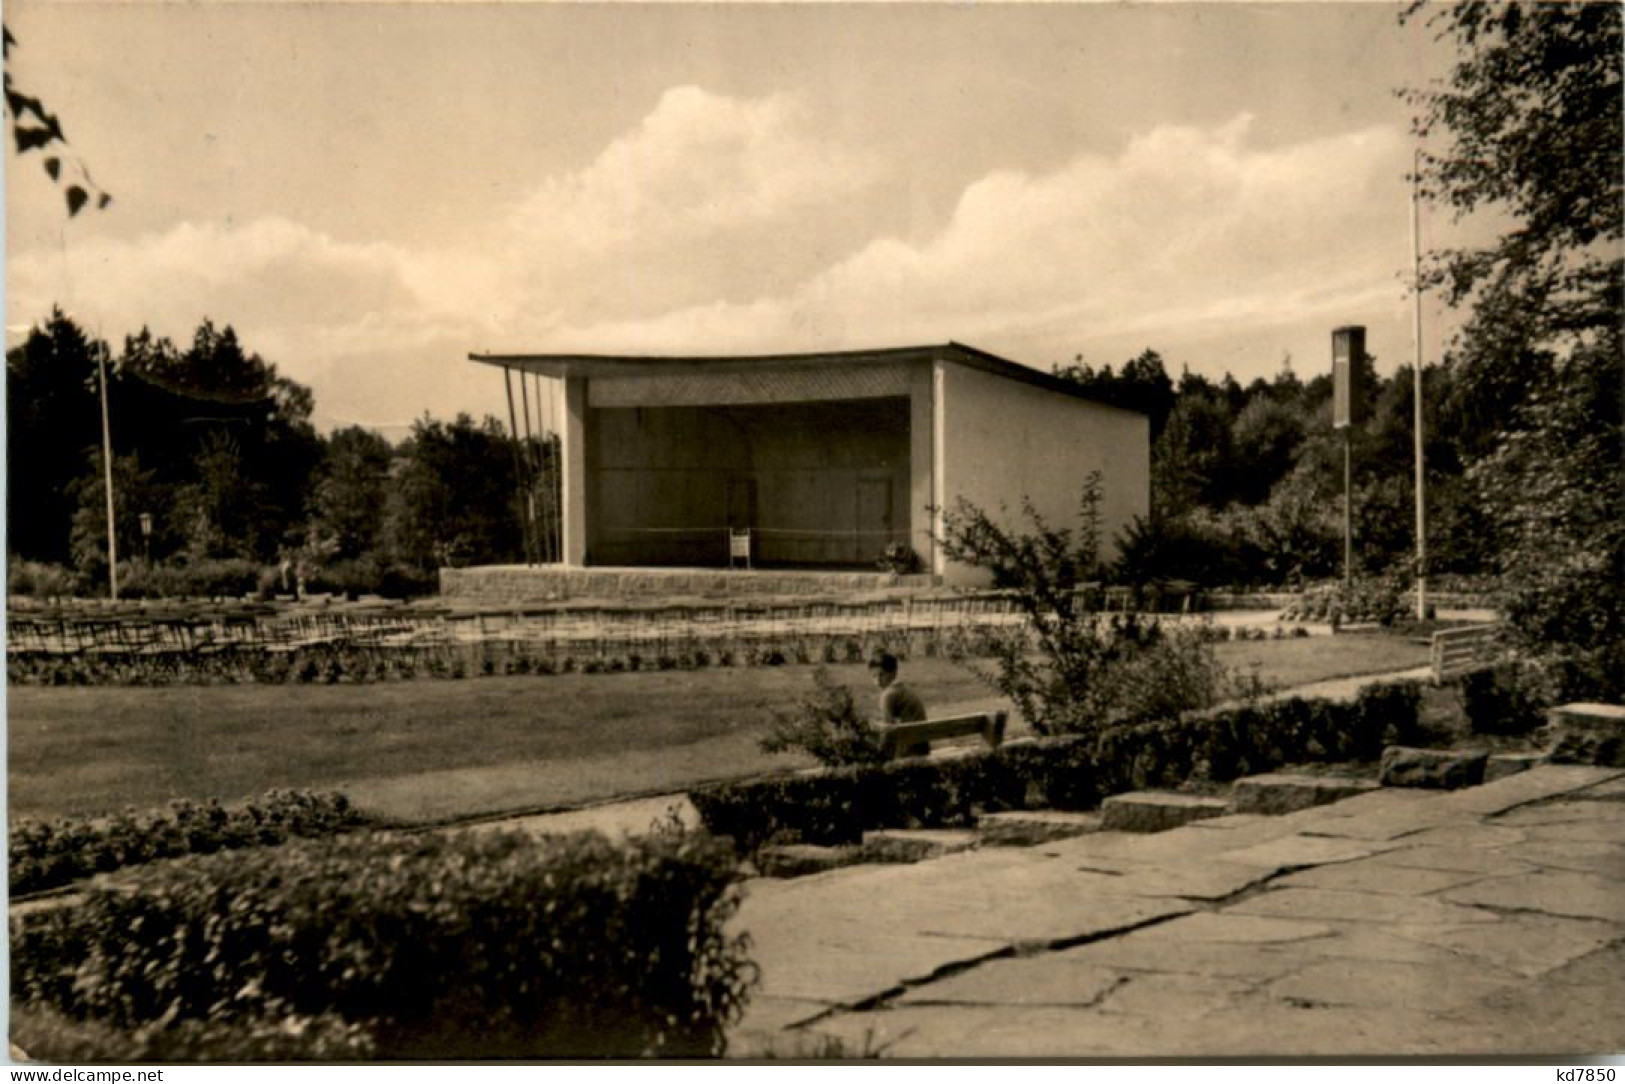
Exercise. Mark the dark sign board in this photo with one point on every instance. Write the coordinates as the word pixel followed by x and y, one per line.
pixel 1348 376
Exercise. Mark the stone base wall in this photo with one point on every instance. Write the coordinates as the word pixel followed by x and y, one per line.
pixel 509 584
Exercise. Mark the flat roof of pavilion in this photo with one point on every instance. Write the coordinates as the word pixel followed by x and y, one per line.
pixel 605 365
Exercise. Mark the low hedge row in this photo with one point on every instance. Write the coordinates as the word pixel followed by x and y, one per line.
pixel 837 805
pixel 348 664
pixel 439 946
pixel 48 853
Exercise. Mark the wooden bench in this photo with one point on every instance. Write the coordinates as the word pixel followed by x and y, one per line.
pixel 903 739
pixel 1456 651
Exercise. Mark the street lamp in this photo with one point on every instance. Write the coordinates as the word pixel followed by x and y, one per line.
pixel 146 535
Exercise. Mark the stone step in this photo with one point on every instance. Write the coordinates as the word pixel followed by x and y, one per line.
pixel 803 859
pixel 916 844
pixel 1157 811
pixel 1439 769
pixel 1283 792
pixel 1589 734
pixel 1029 827
pixel 1501 765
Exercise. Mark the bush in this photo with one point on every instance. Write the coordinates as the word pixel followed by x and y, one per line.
pixel 436 946
pixel 1506 698
pixel 826 726
pixel 1069 670
pixel 40 580
pixel 47 854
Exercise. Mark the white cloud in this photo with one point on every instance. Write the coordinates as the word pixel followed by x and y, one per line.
pixel 721 224
pixel 1184 231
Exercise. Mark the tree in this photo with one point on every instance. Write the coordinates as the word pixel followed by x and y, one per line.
pixel 53 423
pixel 35 128
pixel 351 490
pixel 1532 117
pixel 452 496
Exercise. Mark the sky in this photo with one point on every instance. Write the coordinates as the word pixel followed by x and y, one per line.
pixel 369 192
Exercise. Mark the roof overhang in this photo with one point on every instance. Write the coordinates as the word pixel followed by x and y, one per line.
pixel 623 365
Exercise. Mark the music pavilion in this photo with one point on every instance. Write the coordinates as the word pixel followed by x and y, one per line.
pixel 825 459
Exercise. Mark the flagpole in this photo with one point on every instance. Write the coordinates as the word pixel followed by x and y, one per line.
pixel 107 470
pixel 1416 333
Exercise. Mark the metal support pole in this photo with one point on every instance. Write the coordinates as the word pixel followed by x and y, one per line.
pixel 518 466
pixel 1348 510
pixel 107 470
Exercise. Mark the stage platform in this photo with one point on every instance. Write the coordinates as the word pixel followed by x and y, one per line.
pixel 503 584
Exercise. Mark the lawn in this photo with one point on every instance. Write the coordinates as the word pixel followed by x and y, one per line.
pixel 429 750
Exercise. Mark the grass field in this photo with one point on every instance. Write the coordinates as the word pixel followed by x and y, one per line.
pixel 429 750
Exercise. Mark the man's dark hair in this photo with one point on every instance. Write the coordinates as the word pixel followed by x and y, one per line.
pixel 883 661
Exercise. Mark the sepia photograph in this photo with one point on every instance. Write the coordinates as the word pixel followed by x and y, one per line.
pixel 816 533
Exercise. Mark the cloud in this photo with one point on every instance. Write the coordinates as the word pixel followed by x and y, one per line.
pixel 1184 231
pixel 721 224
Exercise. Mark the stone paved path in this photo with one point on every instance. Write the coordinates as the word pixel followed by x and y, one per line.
pixel 1481 922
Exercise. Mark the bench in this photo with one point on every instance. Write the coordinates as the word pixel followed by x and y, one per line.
pixel 904 739
pixel 1456 651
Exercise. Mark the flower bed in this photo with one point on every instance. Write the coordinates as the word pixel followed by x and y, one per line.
pixel 837 805
pixel 47 854
pixel 473 945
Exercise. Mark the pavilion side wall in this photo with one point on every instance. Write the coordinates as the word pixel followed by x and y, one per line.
pixel 1000 440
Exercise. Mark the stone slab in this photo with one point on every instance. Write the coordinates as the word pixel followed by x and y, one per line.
pixel 1156 811
pixel 1486 863
pixel 1579 895
pixel 1438 769
pixel 1215 880
pixel 1390 984
pixel 1612 791
pixel 1144 951
pixel 1524 944
pixel 1228 928
pixel 1026 828
pixel 1296 852
pixel 1335 904
pixel 1540 782
pixel 1046 979
pixel 1381 879
pixel 916 844
pixel 1501 765
pixel 1281 792
pixel 803 859
pixel 1580 856
pixel 1182 997
pixel 1591 716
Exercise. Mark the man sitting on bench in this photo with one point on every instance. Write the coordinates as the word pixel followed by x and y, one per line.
pixel 898 703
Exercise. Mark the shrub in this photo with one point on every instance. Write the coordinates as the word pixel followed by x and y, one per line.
pixel 40 580
pixel 1066 669
pixel 46 854
pixel 826 726
pixel 1506 698
pixel 436 946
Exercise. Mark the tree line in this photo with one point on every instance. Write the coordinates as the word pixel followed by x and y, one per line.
pixel 215 460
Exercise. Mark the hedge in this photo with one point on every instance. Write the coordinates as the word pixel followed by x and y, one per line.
pixel 438 946
pixel 837 805
pixel 49 853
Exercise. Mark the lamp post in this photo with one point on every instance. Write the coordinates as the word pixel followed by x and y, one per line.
pixel 146 536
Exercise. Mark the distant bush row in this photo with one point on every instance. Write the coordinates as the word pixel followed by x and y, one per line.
pixel 224 577
pixel 837 805
pixel 372 946
pixel 49 853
